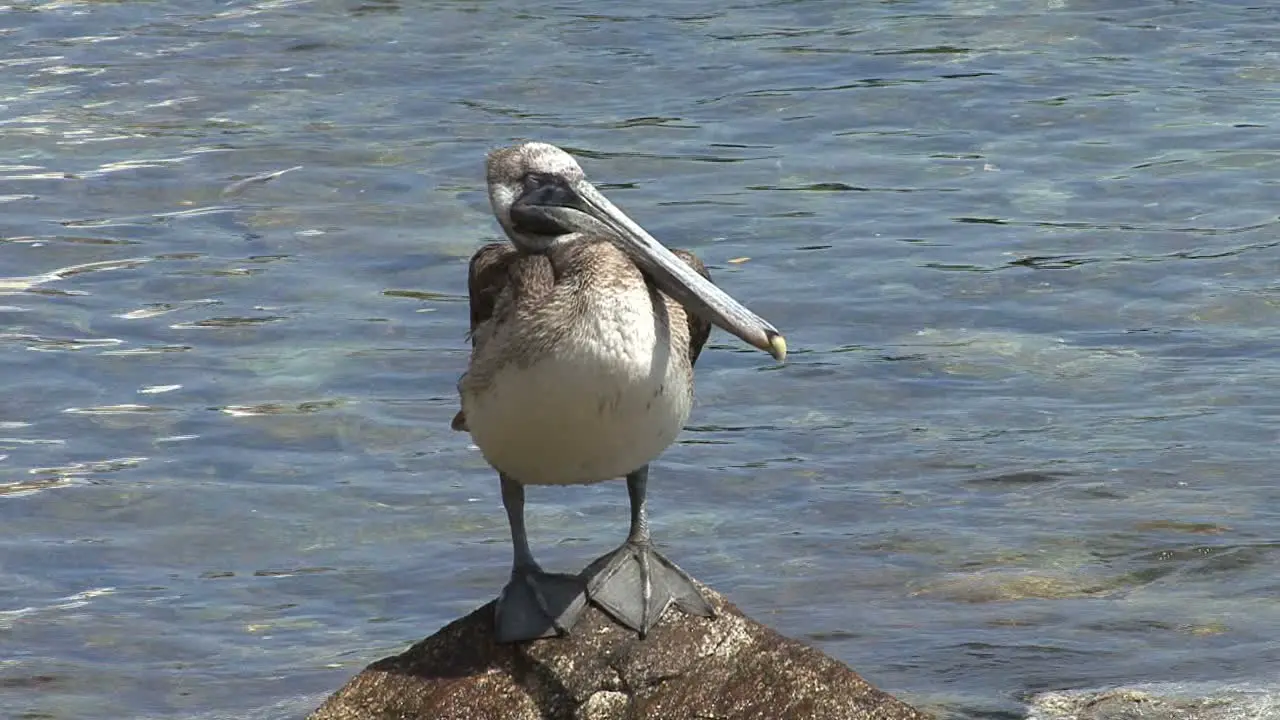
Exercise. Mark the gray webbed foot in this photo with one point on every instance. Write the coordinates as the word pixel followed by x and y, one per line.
pixel 635 583
pixel 536 604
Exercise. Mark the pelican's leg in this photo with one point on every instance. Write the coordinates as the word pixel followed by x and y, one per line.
pixel 635 583
pixel 534 604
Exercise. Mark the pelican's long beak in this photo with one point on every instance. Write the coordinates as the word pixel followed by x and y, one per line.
pixel 671 274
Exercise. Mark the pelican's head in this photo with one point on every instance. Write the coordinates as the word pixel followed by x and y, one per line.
pixel 529 187
pixel 542 198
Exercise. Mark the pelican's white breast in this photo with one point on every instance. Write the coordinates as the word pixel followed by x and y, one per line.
pixel 605 400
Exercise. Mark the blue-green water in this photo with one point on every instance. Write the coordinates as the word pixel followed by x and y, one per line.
pixel 1025 254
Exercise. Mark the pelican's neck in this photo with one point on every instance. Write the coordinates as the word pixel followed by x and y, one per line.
pixel 566 254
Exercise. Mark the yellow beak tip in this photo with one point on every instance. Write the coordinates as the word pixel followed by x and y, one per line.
pixel 778 348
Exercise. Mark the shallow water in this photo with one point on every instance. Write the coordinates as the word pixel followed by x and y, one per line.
pixel 1024 254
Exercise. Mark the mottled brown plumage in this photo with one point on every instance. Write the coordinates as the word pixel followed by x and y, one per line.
pixel 499 273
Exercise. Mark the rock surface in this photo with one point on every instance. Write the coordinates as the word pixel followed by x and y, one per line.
pixel 727 668
pixel 1158 702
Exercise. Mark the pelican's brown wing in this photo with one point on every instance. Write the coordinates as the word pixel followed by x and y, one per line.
pixel 699 329
pixel 487 277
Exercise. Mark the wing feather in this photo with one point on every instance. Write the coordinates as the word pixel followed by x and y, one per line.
pixel 487 277
pixel 699 329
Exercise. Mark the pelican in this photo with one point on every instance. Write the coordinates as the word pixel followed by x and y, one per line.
pixel 584 332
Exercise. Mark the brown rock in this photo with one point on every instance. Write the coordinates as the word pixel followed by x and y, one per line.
pixel 727 668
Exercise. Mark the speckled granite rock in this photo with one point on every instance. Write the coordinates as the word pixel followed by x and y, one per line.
pixel 729 668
